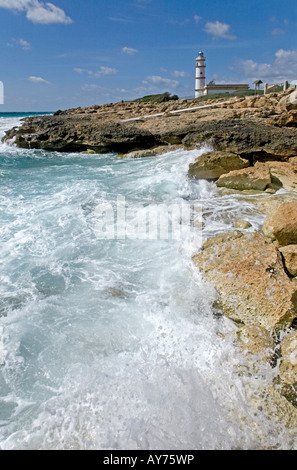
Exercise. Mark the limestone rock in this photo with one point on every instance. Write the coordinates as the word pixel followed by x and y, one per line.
pixel 288 102
pixel 288 367
pixel 288 119
pixel 221 239
pixel 284 173
pixel 257 178
pixel 279 409
pixel 290 258
pixel 212 165
pixel 81 132
pixel 282 225
pixel 241 104
pixel 126 127
pixel 268 205
pixel 267 229
pixel 257 341
pixel 261 102
pixel 291 119
pixel 248 274
pixel 292 101
pixel 152 152
pixel 251 140
pixel 243 224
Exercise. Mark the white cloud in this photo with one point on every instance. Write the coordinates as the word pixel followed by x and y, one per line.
pixel 197 18
pixel 24 44
pixel 79 70
pixel 92 87
pixel 178 22
pixel 157 80
pixel 15 4
pixel 287 55
pixel 20 42
pixel 175 73
pixel 129 50
pixel 277 31
pixel 46 13
pixel 142 3
pixel 284 67
pixel 103 93
pixel 179 74
pixel 250 68
pixel 38 80
pixel 121 19
pixel 218 30
pixel 97 73
pixel 37 11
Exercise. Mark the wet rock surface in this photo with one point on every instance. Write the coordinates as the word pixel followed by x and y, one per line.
pixel 255 273
pixel 256 177
pixel 282 224
pixel 249 275
pixel 212 165
pixel 74 134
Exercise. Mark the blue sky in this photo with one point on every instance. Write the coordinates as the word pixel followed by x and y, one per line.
pixel 70 53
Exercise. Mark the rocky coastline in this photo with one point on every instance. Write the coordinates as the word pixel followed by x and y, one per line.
pixel 255 273
pixel 258 126
pixel 254 151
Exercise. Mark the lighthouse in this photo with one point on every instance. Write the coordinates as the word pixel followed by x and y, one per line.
pixel 201 89
pixel 200 75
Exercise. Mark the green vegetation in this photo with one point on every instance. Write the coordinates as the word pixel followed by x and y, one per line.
pixel 276 90
pixel 238 94
pixel 161 98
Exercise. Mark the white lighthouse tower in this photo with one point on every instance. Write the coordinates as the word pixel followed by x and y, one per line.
pixel 200 75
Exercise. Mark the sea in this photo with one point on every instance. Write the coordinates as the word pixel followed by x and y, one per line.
pixel 109 336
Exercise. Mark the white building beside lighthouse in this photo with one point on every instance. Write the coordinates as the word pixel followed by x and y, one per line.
pixel 201 89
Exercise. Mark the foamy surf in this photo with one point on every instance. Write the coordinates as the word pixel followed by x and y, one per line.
pixel 114 343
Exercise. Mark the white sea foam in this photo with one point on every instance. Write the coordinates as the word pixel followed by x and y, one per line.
pixel 113 344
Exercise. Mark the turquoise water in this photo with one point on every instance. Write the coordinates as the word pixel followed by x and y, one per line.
pixel 113 343
pixel 21 115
